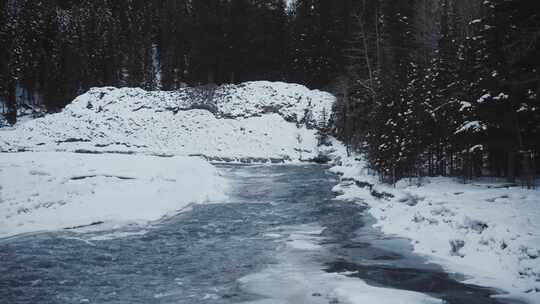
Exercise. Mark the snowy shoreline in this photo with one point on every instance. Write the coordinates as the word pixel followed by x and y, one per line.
pixel 44 191
pixel 490 235
pixel 141 156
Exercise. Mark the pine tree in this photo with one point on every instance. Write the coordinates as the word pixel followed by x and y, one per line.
pixel 173 43
pixel 12 66
pixel 208 41
pixel 391 152
pixel 4 54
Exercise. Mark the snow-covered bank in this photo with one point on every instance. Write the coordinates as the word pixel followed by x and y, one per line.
pixel 489 234
pixel 259 120
pixel 51 190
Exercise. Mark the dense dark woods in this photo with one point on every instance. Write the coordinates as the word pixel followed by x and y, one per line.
pixel 58 49
pixel 444 87
pixel 424 87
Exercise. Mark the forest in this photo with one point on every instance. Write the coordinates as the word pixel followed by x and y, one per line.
pixel 423 87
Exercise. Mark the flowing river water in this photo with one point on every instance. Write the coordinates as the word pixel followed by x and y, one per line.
pixel 280 228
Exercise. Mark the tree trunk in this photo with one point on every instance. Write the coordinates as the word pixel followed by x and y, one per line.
pixel 511 174
pixel 210 75
pixel 11 114
pixel 517 136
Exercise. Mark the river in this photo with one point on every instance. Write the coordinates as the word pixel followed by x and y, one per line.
pixel 278 220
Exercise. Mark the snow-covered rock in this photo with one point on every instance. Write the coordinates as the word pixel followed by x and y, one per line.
pixel 256 120
pixel 54 190
pixel 490 234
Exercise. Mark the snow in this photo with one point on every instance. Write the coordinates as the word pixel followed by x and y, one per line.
pixel 289 283
pixel 483 98
pixel 476 148
pixel 304 237
pixel 465 105
pixel 523 108
pixel 485 231
pixel 257 120
pixel 42 191
pixel 143 155
pixel 296 277
pixel 351 292
pixel 473 126
pixel 501 96
pixel 117 235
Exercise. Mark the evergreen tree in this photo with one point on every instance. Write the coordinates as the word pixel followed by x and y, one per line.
pixel 12 65
pixel 4 54
pixel 172 42
pixel 391 150
pixel 424 87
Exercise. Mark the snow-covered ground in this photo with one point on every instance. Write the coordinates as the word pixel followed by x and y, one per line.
pixel 117 175
pixel 255 120
pixel 53 190
pixel 489 234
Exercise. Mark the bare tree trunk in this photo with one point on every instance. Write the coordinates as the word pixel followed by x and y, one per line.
pixel 366 50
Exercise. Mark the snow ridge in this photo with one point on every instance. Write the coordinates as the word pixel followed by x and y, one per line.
pixel 257 120
pixel 44 191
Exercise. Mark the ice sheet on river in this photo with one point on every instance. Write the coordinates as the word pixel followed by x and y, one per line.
pixel 296 278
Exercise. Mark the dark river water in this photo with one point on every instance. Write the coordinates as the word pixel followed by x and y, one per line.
pixel 199 256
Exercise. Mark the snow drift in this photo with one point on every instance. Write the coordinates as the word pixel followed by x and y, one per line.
pixel 254 120
pixel 53 190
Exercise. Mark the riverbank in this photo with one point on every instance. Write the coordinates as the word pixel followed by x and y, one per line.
pixel 278 237
pixel 43 191
pixel 485 231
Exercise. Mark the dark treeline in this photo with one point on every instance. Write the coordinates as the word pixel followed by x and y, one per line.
pixel 448 87
pixel 424 87
pixel 54 50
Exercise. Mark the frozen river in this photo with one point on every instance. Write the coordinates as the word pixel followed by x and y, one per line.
pixel 279 238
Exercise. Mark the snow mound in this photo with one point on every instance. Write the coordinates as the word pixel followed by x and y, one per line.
pixel 294 102
pixel 261 120
pixel 51 190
